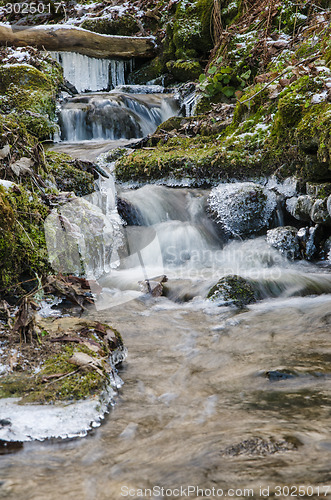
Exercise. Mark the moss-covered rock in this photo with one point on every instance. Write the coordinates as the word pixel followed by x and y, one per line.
pixel 125 25
pixel 191 30
pixel 233 290
pixel 23 250
pixel 30 93
pixel 68 176
pixel 184 70
pixel 61 378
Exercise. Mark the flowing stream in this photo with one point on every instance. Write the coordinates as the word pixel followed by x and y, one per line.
pixel 213 396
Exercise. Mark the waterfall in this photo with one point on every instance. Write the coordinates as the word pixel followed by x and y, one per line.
pixel 113 116
pixel 92 74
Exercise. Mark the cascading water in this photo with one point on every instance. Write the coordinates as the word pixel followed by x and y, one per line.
pixel 194 253
pixel 114 115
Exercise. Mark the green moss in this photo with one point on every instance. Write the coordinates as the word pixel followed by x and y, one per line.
pixel 70 382
pixel 67 176
pixel 234 290
pixel 16 385
pixel 22 240
pixel 203 160
pixel 148 71
pixel 31 93
pixel 191 31
pixel 79 385
pixel 172 123
pixel 184 70
pixel 24 76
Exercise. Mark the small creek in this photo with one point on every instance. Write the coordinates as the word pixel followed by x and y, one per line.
pixel 212 397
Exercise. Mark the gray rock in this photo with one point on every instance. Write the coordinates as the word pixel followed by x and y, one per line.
pixel 319 212
pixel 328 205
pixel 300 207
pixel 327 249
pixel 309 240
pixel 284 239
pixel 243 208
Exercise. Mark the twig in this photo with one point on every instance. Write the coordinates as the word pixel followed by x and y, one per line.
pixel 18 222
pixel 63 376
pixel 311 58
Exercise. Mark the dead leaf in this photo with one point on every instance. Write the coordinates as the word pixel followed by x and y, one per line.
pixel 284 82
pixel 4 152
pixel 86 362
pixel 22 166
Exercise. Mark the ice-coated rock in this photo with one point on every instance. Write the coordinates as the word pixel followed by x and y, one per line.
pixel 308 238
pixel 81 239
pixel 285 240
pixel 328 205
pixel 327 249
pixel 300 207
pixel 289 187
pixel 319 212
pixel 243 208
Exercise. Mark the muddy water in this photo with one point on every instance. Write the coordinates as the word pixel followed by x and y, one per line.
pixel 195 387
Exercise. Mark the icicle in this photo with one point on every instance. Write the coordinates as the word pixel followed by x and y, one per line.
pixel 92 74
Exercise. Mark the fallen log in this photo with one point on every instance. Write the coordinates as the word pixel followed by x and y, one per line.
pixel 59 37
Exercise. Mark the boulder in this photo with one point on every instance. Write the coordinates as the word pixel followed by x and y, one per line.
pixel 243 208
pixel 319 212
pixel 328 204
pixel 300 207
pixel 285 240
pixel 232 290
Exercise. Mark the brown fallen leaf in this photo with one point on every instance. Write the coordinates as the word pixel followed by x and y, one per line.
pixel 22 166
pixel 86 362
pixel 4 152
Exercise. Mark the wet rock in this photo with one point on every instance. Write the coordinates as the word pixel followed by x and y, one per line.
pixel 327 249
pixel 319 212
pixel 153 286
pixel 242 208
pixel 285 240
pixel 129 213
pixel 232 290
pixel 257 446
pixel 328 205
pixel 276 375
pixel 4 422
pixel 311 241
pixel 300 207
pixel 80 237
